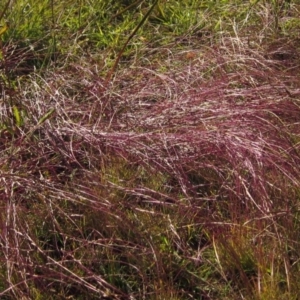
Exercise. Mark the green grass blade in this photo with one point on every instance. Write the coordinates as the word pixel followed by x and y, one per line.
pixel 46 116
pixel 17 115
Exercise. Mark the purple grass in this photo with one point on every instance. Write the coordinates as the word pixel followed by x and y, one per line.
pixel 209 141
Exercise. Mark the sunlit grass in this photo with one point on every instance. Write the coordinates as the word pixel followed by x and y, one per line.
pixel 175 178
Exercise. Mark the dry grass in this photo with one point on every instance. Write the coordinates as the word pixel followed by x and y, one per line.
pixel 177 180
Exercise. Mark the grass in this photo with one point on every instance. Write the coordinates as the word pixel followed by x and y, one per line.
pixel 172 176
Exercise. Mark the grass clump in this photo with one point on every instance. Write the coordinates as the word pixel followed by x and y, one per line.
pixel 166 169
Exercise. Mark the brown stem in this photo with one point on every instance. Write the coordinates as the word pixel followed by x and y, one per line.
pixel 114 67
